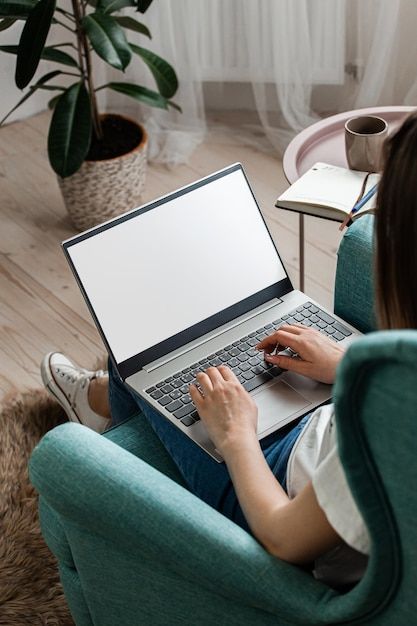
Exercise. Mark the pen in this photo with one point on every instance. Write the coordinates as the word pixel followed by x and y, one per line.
pixel 359 204
pixel 365 199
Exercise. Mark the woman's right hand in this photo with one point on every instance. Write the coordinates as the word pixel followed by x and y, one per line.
pixel 317 355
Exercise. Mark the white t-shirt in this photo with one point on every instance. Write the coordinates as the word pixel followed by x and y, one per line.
pixel 315 457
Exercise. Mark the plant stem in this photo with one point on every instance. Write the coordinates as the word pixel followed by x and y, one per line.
pixel 78 33
pixel 67 15
pixel 94 106
pixel 63 45
pixel 85 63
pixel 71 74
pixel 71 30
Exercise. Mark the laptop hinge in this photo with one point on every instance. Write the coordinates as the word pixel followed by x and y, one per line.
pixel 150 367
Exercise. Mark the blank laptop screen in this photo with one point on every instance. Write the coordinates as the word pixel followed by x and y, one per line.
pixel 175 263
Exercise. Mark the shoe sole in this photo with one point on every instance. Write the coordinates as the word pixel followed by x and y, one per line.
pixel 55 390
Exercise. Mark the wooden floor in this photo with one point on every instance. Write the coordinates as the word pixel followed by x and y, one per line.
pixel 41 308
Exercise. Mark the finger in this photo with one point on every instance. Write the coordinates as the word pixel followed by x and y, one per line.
pixel 292 328
pixel 268 342
pixel 226 372
pixel 292 364
pixel 204 381
pixel 277 348
pixel 214 375
pixel 196 396
pixel 271 346
pixel 287 339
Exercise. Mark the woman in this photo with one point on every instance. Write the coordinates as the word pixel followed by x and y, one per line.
pixel 290 490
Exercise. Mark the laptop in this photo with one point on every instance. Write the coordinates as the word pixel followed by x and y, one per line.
pixel 194 279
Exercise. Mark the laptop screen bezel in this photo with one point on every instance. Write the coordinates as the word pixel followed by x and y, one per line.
pixel 133 364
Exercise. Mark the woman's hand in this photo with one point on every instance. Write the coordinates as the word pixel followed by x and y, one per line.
pixel 226 409
pixel 317 355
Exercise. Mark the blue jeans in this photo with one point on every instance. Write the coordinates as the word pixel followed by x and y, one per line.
pixel 206 478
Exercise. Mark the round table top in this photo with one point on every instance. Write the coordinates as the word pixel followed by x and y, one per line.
pixel 325 140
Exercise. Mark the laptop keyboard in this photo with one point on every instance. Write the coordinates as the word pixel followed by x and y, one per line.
pixel 243 359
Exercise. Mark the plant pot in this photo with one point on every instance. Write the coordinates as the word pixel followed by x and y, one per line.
pixel 103 189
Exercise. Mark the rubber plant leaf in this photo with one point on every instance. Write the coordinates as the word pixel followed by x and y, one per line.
pixel 48 54
pixel 7 22
pixel 131 24
pixel 53 102
pixel 147 96
pixel 143 5
pixel 32 41
pixel 16 8
pixel 70 130
pixel 31 91
pixel 109 6
pixel 107 39
pixel 163 73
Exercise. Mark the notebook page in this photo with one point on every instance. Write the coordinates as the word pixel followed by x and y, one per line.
pixel 330 186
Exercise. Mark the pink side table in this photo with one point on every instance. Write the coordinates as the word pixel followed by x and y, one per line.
pixel 325 141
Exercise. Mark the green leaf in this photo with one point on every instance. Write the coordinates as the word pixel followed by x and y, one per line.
pixel 109 6
pixel 32 41
pixel 53 102
pixel 147 96
pixel 48 54
pixel 163 73
pixel 16 8
pixel 52 87
pixel 62 45
pixel 107 39
pixel 58 56
pixel 9 49
pixel 31 91
pixel 175 106
pixel 131 24
pixel 7 22
pixel 143 5
pixel 70 131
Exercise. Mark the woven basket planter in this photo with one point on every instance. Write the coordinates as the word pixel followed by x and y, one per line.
pixel 104 189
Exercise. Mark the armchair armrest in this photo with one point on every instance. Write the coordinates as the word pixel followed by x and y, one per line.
pixel 354 292
pixel 86 479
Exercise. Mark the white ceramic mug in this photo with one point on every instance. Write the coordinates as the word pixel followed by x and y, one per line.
pixel 364 137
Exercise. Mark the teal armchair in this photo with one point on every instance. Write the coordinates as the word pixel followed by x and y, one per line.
pixel 135 547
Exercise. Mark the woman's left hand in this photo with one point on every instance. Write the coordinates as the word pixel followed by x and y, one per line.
pixel 226 409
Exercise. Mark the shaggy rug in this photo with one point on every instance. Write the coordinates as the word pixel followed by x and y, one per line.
pixel 30 591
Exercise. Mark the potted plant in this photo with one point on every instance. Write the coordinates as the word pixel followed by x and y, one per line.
pixel 100 159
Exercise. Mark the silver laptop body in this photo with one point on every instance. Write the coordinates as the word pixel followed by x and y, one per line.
pixel 192 275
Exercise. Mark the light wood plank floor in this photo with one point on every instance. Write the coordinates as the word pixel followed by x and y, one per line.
pixel 41 308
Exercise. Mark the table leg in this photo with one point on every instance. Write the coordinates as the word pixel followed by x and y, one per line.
pixel 301 250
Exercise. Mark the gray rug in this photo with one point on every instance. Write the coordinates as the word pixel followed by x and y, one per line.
pixel 30 591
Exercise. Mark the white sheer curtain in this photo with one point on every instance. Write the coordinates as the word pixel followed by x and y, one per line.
pixel 281 61
pixel 279 47
pixel 291 54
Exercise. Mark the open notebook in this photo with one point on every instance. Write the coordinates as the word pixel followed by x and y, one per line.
pixel 328 191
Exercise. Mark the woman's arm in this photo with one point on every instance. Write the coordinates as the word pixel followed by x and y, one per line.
pixel 294 530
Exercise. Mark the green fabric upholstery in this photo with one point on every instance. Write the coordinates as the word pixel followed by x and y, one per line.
pixel 354 292
pixel 135 547
pixel 376 399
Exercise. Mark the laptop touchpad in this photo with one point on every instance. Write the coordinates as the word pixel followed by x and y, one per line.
pixel 276 403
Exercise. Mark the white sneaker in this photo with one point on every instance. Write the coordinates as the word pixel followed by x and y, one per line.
pixel 69 384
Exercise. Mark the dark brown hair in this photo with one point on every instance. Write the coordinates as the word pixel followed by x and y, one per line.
pixel 396 231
